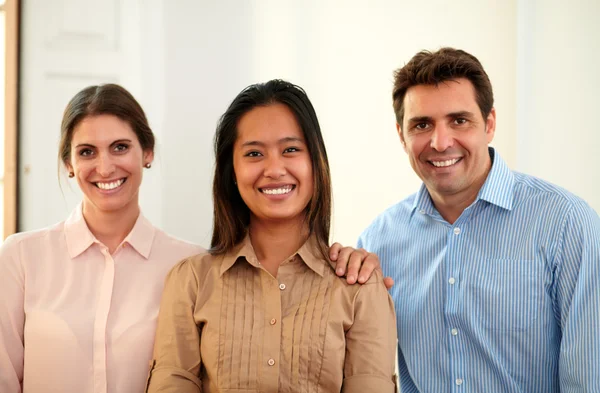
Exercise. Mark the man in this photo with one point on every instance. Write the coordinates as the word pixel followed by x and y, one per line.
pixel 497 273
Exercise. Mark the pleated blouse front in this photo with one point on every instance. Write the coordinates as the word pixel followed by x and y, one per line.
pixel 227 325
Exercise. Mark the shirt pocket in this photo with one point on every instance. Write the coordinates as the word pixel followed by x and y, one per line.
pixel 505 294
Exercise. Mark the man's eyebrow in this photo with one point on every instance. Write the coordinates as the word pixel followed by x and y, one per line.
pixel 419 119
pixel 454 115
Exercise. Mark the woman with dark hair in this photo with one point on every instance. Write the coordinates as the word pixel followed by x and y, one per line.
pixel 263 310
pixel 79 300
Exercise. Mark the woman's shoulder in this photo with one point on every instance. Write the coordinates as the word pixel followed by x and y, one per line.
pixel 198 266
pixel 351 292
pixel 375 279
pixel 41 236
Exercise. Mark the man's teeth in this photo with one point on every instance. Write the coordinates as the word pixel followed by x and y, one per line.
pixel 441 164
pixel 277 191
pixel 111 185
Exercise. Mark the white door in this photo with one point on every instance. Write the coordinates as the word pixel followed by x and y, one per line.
pixel 67 45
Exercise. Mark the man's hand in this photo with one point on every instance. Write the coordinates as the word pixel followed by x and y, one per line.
pixel 358 262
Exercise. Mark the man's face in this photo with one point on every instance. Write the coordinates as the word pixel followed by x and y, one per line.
pixel 446 138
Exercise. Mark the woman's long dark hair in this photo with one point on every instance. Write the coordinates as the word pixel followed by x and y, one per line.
pixel 231 216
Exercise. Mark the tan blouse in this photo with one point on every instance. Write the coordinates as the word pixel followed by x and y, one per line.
pixel 227 325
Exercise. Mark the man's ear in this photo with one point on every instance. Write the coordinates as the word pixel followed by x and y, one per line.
pixel 399 129
pixel 490 125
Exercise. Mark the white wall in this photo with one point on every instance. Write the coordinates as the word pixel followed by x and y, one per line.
pixel 343 54
pixel 557 102
pixel 187 59
pixel 67 45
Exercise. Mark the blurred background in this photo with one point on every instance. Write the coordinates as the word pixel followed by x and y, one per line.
pixel 185 60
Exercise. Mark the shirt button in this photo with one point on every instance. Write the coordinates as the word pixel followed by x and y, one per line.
pixel 456 231
pixel 459 381
pixel 272 362
pixel 422 211
pixel 454 332
pixel 273 321
pixel 451 280
pixel 282 286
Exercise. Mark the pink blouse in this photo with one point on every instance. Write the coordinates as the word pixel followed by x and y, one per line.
pixel 74 318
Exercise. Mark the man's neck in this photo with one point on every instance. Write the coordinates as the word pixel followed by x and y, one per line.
pixel 451 207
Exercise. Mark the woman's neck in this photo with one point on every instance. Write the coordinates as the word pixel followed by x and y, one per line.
pixel 273 242
pixel 110 228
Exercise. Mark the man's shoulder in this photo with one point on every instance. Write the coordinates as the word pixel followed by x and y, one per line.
pixel 552 204
pixel 393 217
pixel 529 186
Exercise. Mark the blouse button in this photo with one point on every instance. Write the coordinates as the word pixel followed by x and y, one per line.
pixel 271 362
pixel 282 286
pixel 273 321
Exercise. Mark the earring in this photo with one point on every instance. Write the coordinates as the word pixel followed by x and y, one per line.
pixel 71 174
pixel 148 165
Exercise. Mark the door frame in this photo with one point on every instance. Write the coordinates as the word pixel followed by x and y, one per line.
pixel 12 9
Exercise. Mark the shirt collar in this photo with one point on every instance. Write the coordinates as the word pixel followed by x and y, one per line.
pixel 423 201
pixel 141 236
pixel 308 253
pixel 79 237
pixel 497 189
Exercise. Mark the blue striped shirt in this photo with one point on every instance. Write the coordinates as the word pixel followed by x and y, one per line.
pixel 506 299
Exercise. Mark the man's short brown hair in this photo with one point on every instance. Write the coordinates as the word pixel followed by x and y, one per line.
pixel 433 68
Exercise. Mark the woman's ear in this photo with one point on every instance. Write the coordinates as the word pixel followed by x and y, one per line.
pixel 68 166
pixel 148 157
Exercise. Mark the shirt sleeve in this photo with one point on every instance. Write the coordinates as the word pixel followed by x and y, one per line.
pixel 578 300
pixel 176 361
pixel 12 321
pixel 371 341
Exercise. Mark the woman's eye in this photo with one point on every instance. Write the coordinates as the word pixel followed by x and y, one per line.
pixel 121 147
pixel 85 152
pixel 291 150
pixel 253 154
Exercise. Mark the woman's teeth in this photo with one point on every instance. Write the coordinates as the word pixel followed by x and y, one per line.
pixel 111 185
pixel 277 191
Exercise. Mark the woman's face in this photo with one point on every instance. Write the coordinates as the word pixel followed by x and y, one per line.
pixel 272 164
pixel 107 160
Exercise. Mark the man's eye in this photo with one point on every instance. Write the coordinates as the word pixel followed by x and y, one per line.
pixel 460 121
pixel 421 126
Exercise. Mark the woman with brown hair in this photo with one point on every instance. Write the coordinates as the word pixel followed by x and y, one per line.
pixel 263 310
pixel 79 300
